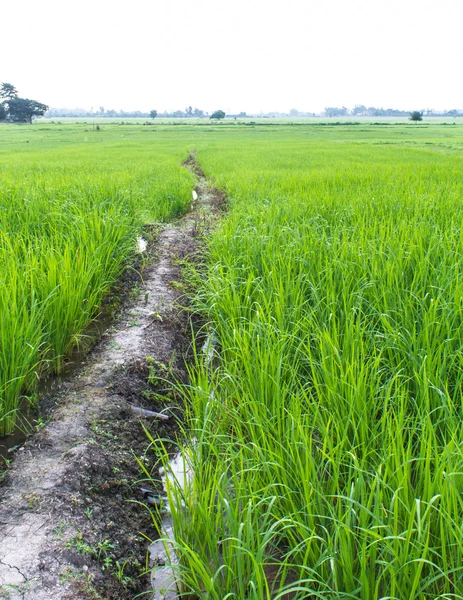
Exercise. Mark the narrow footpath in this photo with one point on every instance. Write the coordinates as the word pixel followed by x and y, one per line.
pixel 71 506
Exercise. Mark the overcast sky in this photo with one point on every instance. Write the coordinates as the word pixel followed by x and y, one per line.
pixel 250 55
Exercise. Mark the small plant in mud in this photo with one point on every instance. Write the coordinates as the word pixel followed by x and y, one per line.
pixel 6 591
pixel 33 500
pixel 4 466
pixel 135 291
pixel 12 591
pixel 125 580
pixel 100 551
pixel 156 370
pixel 98 428
pixel 78 544
pixel 82 581
pixel 177 285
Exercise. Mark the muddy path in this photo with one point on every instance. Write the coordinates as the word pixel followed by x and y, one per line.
pixel 73 524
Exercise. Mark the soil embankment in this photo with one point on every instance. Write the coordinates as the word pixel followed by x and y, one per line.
pixel 70 512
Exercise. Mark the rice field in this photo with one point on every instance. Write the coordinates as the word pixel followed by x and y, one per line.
pixel 72 202
pixel 326 405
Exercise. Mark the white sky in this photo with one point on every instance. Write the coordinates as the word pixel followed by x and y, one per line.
pixel 248 55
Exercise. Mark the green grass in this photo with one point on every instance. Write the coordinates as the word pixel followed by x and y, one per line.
pixel 328 428
pixel 72 201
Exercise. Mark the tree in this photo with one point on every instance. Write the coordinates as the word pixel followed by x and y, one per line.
pixel 153 114
pixel 8 91
pixel 416 115
pixel 18 109
pixel 218 114
pixel 359 110
pixel 23 109
pixel 336 111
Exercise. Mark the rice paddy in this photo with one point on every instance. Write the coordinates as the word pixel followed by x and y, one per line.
pixel 325 409
pixel 71 208
pixel 327 426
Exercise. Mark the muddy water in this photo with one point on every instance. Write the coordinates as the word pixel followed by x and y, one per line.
pixel 161 551
pixel 9 443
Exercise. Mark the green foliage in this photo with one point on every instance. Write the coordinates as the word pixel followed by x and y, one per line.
pixel 416 115
pixel 218 114
pixel 8 91
pixel 23 109
pixel 17 109
pixel 153 114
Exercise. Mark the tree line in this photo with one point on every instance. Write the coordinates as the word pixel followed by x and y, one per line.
pixel 16 109
pixel 360 110
pixel 188 112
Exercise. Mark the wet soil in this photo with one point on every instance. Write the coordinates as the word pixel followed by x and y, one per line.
pixel 74 511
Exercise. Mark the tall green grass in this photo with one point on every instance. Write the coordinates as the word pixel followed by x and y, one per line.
pixel 69 218
pixel 328 440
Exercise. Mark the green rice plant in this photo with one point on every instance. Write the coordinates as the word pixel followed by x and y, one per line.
pixel 328 447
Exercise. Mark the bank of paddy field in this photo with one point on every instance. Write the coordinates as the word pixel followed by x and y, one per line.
pixel 325 409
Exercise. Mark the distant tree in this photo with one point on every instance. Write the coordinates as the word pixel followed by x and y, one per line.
pixel 23 109
pixel 189 111
pixel 416 115
pixel 2 112
pixel 359 109
pixel 242 114
pixel 218 114
pixel 336 111
pixel 293 112
pixel 153 114
pixel 8 91
pixel 198 113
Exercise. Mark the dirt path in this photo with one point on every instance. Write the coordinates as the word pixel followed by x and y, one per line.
pixel 68 525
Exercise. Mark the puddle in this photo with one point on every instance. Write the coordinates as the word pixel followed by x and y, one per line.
pixel 161 551
pixel 9 443
pixel 92 333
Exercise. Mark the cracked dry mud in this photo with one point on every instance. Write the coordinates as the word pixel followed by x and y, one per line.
pixel 68 525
